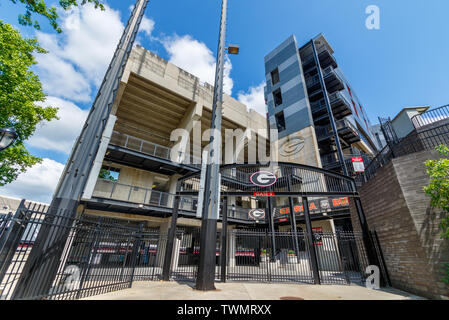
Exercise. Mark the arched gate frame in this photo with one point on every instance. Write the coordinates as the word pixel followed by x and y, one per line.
pixel 280 179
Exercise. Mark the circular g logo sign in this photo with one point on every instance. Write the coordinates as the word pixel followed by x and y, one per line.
pixel 257 214
pixel 292 146
pixel 263 179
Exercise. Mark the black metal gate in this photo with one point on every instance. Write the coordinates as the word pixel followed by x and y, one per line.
pixel 100 254
pixel 104 254
pixel 341 257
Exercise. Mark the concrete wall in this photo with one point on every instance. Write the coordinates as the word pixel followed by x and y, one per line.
pixel 408 228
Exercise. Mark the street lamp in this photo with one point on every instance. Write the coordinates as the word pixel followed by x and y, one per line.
pixel 7 137
pixel 233 49
pixel 211 193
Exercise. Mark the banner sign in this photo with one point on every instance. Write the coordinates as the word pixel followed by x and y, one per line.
pixel 317 236
pixel 263 194
pixel 357 163
pixel 315 206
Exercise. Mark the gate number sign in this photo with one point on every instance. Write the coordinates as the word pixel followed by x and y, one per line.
pixel 357 163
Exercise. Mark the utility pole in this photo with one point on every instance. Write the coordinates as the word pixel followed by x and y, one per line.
pixel 211 201
pixel 43 262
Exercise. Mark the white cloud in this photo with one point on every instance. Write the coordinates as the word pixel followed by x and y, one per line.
pixel 80 55
pixel 60 78
pixel 38 183
pixel 196 58
pixel 146 26
pixel 59 135
pixel 254 98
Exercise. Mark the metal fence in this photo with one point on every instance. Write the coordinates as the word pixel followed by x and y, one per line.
pixel 104 254
pixel 100 255
pixel 153 149
pixel 341 257
pixel 434 116
pixel 426 138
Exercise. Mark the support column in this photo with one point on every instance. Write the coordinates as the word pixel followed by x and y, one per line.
pixel 175 255
pixel 293 221
pixel 232 246
pixel 162 243
pixel 224 239
pixel 270 218
pixel 170 241
pixel 310 240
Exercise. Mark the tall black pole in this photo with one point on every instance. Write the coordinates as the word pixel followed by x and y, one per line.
pixel 310 242
pixel 43 262
pixel 211 202
pixel 293 220
pixel 329 110
pixel 270 217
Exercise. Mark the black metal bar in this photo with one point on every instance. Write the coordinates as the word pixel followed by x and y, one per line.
pixel 224 239
pixel 94 248
pixel 135 254
pixel 10 239
pixel 367 240
pixel 293 221
pixel 310 238
pixel 170 241
pixel 385 275
pixel 272 231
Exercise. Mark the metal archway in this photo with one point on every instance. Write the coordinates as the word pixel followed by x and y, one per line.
pixel 280 179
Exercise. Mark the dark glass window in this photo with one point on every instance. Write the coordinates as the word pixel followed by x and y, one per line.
pixel 277 96
pixel 280 121
pixel 275 76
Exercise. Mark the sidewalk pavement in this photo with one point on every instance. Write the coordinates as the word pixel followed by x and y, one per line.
pixel 160 290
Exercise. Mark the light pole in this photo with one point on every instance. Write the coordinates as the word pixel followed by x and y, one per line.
pixel 211 200
pixel 7 137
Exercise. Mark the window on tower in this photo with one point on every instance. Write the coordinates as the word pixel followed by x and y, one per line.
pixel 280 121
pixel 275 76
pixel 277 96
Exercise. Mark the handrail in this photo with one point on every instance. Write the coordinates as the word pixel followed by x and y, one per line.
pixel 430 116
pixel 129 193
pixel 150 148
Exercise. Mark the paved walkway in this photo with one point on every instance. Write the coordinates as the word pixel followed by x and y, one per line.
pixel 159 290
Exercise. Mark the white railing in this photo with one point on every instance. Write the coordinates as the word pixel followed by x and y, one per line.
pixel 117 191
pixel 152 149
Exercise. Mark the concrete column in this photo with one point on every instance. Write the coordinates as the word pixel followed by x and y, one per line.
pixel 163 230
pixel 172 188
pixel 231 249
pixel 175 256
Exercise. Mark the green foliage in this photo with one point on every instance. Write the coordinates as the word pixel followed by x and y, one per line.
pixel 106 174
pixel 20 89
pixel 41 8
pixel 446 270
pixel 438 188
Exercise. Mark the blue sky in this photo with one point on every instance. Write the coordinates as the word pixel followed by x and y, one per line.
pixel 402 64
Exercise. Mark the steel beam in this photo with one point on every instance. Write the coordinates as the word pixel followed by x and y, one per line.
pixel 42 264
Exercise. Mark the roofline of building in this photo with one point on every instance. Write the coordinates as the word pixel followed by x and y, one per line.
pixel 420 109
